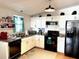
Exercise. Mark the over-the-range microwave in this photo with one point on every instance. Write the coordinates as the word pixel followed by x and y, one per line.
pixel 51 23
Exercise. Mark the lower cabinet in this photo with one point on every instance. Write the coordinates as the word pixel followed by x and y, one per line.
pixel 27 44
pixel 23 45
pixel 39 41
pixel 4 50
pixel 61 44
pixel 30 42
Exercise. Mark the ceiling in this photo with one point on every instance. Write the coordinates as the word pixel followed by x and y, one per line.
pixel 32 7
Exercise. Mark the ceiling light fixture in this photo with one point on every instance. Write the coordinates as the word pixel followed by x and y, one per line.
pixel 49 8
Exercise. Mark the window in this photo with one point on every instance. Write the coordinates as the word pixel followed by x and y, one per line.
pixel 19 23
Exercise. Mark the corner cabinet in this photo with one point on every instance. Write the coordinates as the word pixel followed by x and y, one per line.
pixel 41 41
pixel 27 44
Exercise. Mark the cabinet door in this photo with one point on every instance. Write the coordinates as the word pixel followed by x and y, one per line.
pixel 23 46
pixel 41 43
pixel 27 44
pixel 31 43
pixel 36 22
pixel 62 22
pixel 32 22
pixel 36 38
pixel 4 50
pixel 61 44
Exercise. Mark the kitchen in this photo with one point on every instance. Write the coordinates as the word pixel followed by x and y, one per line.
pixel 30 29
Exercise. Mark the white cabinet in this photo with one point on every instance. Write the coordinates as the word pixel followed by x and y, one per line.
pixel 30 42
pixel 24 45
pixel 76 17
pixel 61 44
pixel 4 50
pixel 43 22
pixel 48 18
pixel 63 19
pixel 39 41
pixel 33 22
pixel 62 22
pixel 38 22
pixel 27 44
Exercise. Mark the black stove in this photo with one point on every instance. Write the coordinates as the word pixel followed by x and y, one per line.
pixel 51 40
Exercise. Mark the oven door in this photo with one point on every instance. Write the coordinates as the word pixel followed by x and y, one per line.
pixel 14 48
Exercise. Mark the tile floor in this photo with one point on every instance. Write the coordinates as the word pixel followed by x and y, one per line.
pixel 38 53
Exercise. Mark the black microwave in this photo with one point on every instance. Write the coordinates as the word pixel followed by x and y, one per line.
pixel 51 23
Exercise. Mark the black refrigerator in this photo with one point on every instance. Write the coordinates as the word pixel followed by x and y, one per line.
pixel 72 38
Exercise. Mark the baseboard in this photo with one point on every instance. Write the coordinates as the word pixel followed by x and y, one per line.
pixel 28 50
pixel 39 47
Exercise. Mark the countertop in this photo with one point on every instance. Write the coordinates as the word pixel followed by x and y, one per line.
pixel 61 35
pixel 10 39
pixel 16 38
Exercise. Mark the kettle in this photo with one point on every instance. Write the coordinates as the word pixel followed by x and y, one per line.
pixel 3 36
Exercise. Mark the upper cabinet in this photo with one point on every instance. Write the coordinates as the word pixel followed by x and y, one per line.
pixel 40 22
pixel 63 19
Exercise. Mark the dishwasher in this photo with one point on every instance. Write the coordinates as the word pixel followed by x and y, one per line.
pixel 14 49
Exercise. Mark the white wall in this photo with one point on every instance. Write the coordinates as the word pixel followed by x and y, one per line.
pixel 44 14
pixel 69 10
pixel 27 22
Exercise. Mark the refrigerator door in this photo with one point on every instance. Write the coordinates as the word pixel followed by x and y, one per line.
pixel 69 48
pixel 72 38
pixel 76 43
